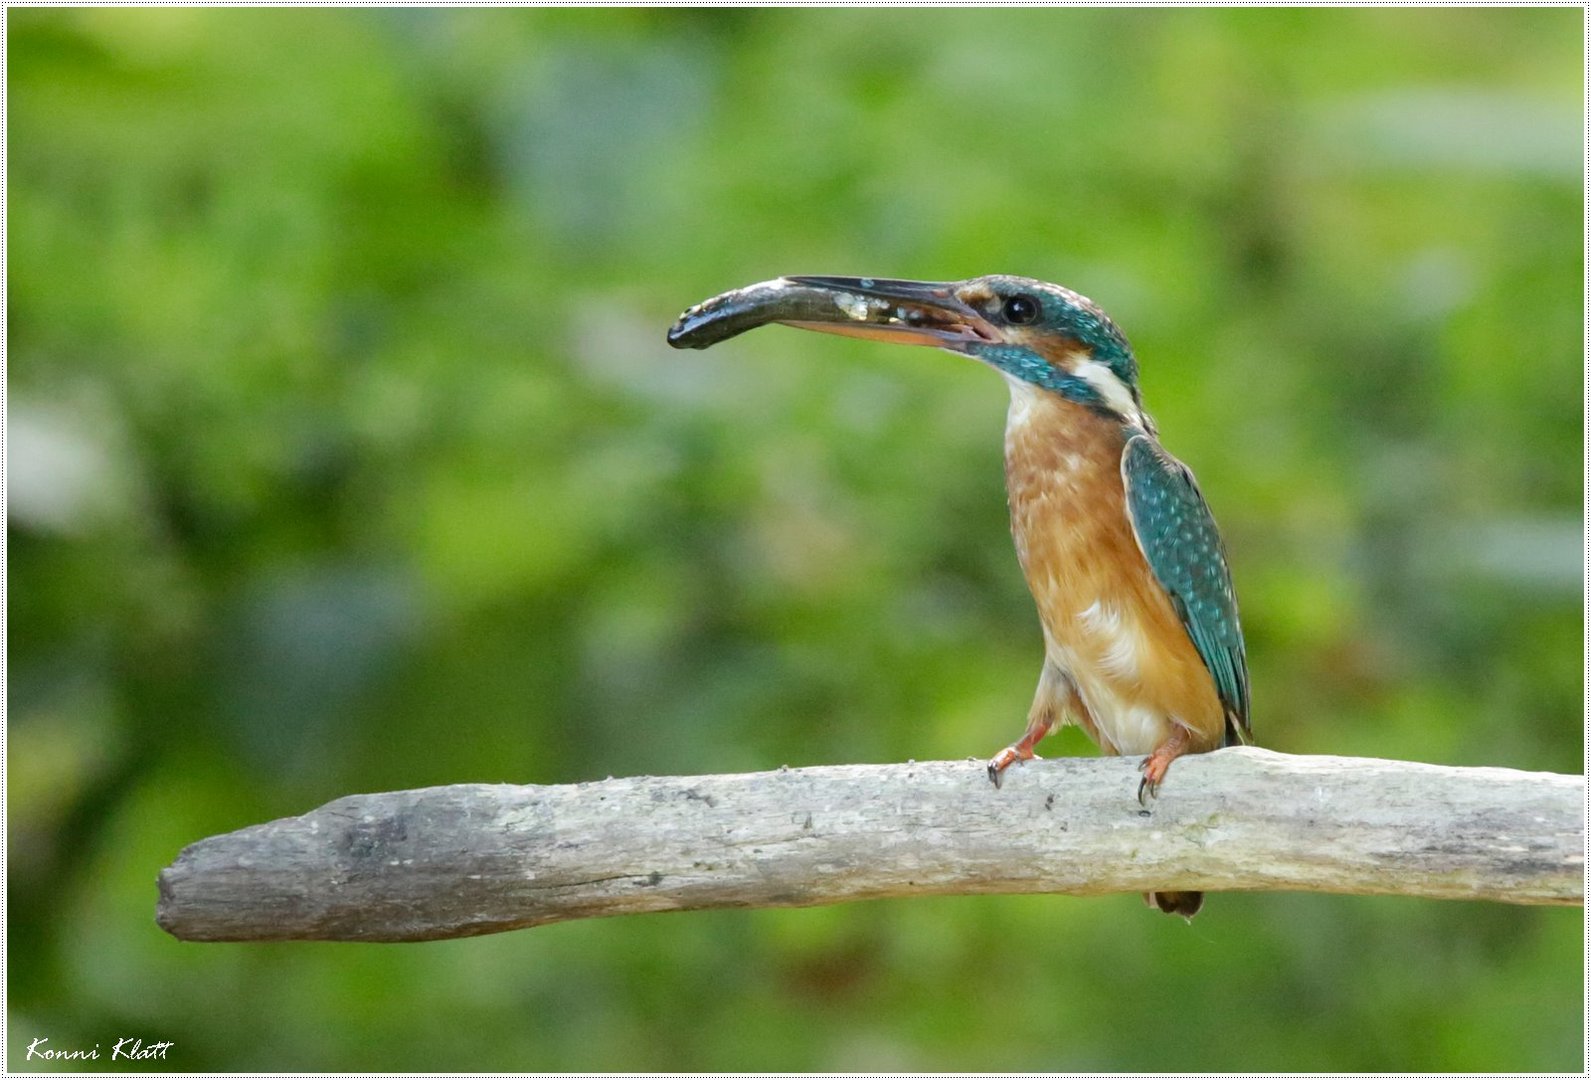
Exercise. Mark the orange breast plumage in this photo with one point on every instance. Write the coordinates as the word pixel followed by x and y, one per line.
pixel 1129 673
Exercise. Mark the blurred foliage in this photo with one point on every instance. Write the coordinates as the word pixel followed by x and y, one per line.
pixel 346 454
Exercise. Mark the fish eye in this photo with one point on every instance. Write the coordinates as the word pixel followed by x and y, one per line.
pixel 1020 310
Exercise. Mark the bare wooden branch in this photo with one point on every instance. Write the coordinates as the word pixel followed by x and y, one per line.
pixel 477 858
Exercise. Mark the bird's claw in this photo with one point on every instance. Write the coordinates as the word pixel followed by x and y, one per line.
pixel 1147 787
pixel 1154 771
pixel 994 772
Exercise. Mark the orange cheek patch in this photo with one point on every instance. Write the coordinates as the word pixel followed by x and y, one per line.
pixel 1063 354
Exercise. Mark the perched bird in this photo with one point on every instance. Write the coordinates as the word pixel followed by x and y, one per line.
pixel 1142 645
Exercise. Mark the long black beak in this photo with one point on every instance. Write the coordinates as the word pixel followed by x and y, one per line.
pixel 886 309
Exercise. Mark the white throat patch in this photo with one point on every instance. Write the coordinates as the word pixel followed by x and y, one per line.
pixel 1023 396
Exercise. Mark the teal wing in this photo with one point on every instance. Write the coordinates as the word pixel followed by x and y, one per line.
pixel 1179 539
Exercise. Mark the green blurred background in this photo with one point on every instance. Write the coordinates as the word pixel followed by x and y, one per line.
pixel 346 455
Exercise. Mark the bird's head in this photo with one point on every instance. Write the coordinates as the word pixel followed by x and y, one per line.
pixel 1036 333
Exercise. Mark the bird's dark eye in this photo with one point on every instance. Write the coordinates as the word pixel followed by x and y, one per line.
pixel 1020 309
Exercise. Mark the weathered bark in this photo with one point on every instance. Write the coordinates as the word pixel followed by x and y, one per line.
pixel 477 858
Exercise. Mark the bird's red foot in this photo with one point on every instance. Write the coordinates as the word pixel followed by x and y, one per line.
pixel 1009 756
pixel 1154 766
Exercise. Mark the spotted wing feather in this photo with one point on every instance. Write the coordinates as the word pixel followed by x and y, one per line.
pixel 1179 539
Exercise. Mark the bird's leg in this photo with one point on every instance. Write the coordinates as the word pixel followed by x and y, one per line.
pixel 1054 700
pixel 1039 725
pixel 1155 765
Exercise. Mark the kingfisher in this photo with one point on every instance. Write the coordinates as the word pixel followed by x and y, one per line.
pixel 1142 644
